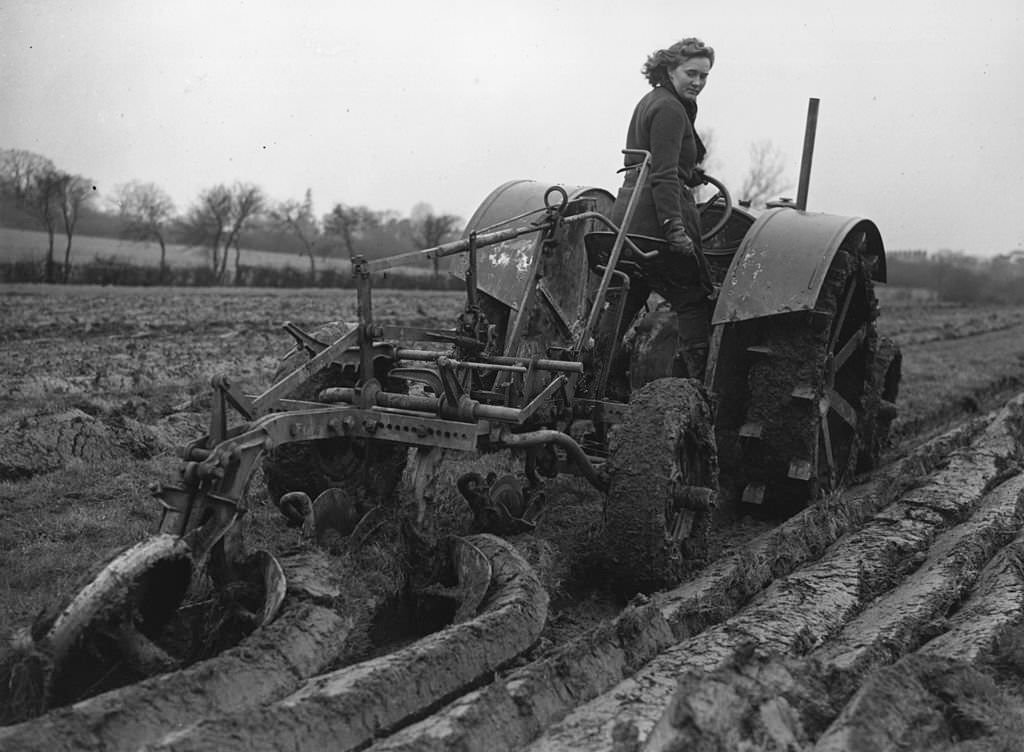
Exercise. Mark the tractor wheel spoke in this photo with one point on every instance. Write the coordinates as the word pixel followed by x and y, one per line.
pixel 842 408
pixel 826 439
pixel 840 319
pixel 850 347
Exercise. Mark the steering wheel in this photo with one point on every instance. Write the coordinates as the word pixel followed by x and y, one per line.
pixel 721 193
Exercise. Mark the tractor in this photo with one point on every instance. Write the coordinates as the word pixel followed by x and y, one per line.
pixel 797 397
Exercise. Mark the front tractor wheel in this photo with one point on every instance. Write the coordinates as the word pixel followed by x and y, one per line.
pixel 663 474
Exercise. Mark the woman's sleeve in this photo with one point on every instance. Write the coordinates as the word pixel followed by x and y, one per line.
pixel 668 126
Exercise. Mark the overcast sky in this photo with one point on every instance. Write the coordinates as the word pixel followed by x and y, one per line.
pixel 389 103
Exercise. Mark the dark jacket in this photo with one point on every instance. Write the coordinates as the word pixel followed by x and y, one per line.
pixel 661 125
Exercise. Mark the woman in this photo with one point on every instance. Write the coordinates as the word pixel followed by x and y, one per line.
pixel 663 124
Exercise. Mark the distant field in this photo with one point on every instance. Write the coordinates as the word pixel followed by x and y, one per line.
pixel 24 245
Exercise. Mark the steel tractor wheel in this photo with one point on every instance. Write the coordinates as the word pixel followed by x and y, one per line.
pixel 887 371
pixel 811 393
pixel 663 475
pixel 370 470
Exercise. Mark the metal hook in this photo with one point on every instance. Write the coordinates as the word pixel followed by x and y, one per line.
pixel 562 204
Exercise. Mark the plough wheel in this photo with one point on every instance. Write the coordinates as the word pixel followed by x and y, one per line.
pixel 663 475
pixel 812 397
pixel 369 469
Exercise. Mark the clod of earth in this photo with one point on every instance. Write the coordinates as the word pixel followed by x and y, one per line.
pixel 41 442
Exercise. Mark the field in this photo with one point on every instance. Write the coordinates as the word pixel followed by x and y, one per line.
pixel 24 245
pixel 885 617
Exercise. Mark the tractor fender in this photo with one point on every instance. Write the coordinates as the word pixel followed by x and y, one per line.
pixel 504 269
pixel 783 259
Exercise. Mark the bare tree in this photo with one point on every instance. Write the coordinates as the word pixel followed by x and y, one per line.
pixel 74 192
pixel 207 221
pixel 19 170
pixel 217 219
pixel 32 182
pixel 42 201
pixel 429 229
pixel 297 218
pixel 249 203
pixel 348 222
pixel 146 212
pixel 764 179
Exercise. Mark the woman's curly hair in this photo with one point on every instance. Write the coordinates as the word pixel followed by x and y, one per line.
pixel 660 62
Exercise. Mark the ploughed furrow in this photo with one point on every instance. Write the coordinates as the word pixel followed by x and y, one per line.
pixel 723 587
pixel 801 611
pixel 939 693
pixel 775 701
pixel 896 622
pixel 346 709
pixel 994 608
pixel 305 640
pixel 512 711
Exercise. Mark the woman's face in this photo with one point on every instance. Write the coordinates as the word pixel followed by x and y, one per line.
pixel 690 76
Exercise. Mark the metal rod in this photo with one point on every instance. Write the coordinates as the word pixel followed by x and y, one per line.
pixel 627 243
pixel 613 255
pixel 364 307
pixel 444 360
pixel 542 364
pixel 572 449
pixel 489 238
pixel 456 246
pixel 805 161
pixel 466 410
pixel 471 273
pixel 523 311
pixel 268 400
pixel 620 305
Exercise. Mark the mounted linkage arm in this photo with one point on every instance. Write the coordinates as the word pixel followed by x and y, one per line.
pixel 453 248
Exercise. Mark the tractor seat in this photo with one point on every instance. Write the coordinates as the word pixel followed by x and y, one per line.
pixel 599 248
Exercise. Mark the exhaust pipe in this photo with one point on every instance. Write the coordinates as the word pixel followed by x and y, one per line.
pixel 805 160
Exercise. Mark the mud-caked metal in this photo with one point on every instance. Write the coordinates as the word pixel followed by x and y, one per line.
pixel 781 264
pixel 795 356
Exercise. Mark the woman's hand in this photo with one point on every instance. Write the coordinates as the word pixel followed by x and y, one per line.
pixel 697 178
pixel 678 241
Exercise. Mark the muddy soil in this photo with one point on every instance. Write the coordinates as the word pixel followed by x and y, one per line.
pixel 888 616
